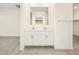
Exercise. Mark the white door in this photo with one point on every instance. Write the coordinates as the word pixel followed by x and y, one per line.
pixel 64 26
pixel 63 35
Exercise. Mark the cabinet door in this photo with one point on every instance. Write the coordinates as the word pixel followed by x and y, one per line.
pixel 28 38
pixel 64 11
pixel 50 38
pixel 31 39
pixel 46 39
pixel 63 35
pixel 43 41
pixel 36 38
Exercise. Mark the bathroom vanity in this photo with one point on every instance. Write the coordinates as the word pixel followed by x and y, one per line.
pixel 37 25
pixel 46 25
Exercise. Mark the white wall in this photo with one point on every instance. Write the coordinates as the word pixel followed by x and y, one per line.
pixel 9 21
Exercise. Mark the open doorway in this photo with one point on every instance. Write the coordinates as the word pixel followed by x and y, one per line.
pixel 76 26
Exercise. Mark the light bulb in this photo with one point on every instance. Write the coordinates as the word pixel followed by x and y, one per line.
pixel 75 7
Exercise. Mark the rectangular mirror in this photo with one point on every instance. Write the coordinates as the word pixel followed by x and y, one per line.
pixel 39 16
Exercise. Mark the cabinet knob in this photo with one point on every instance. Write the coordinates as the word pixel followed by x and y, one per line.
pixel 33 28
pixel 45 28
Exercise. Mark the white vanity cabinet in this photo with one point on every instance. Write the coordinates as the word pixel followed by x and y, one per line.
pixel 39 38
pixel 46 25
pixel 36 25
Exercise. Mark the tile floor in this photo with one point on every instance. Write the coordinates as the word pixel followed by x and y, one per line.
pixel 10 46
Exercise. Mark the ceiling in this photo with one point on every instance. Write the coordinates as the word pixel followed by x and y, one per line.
pixel 76 5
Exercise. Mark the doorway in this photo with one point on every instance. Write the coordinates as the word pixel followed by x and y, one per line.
pixel 76 26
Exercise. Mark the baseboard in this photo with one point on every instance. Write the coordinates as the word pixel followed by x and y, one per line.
pixel 65 49
pixel 9 36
